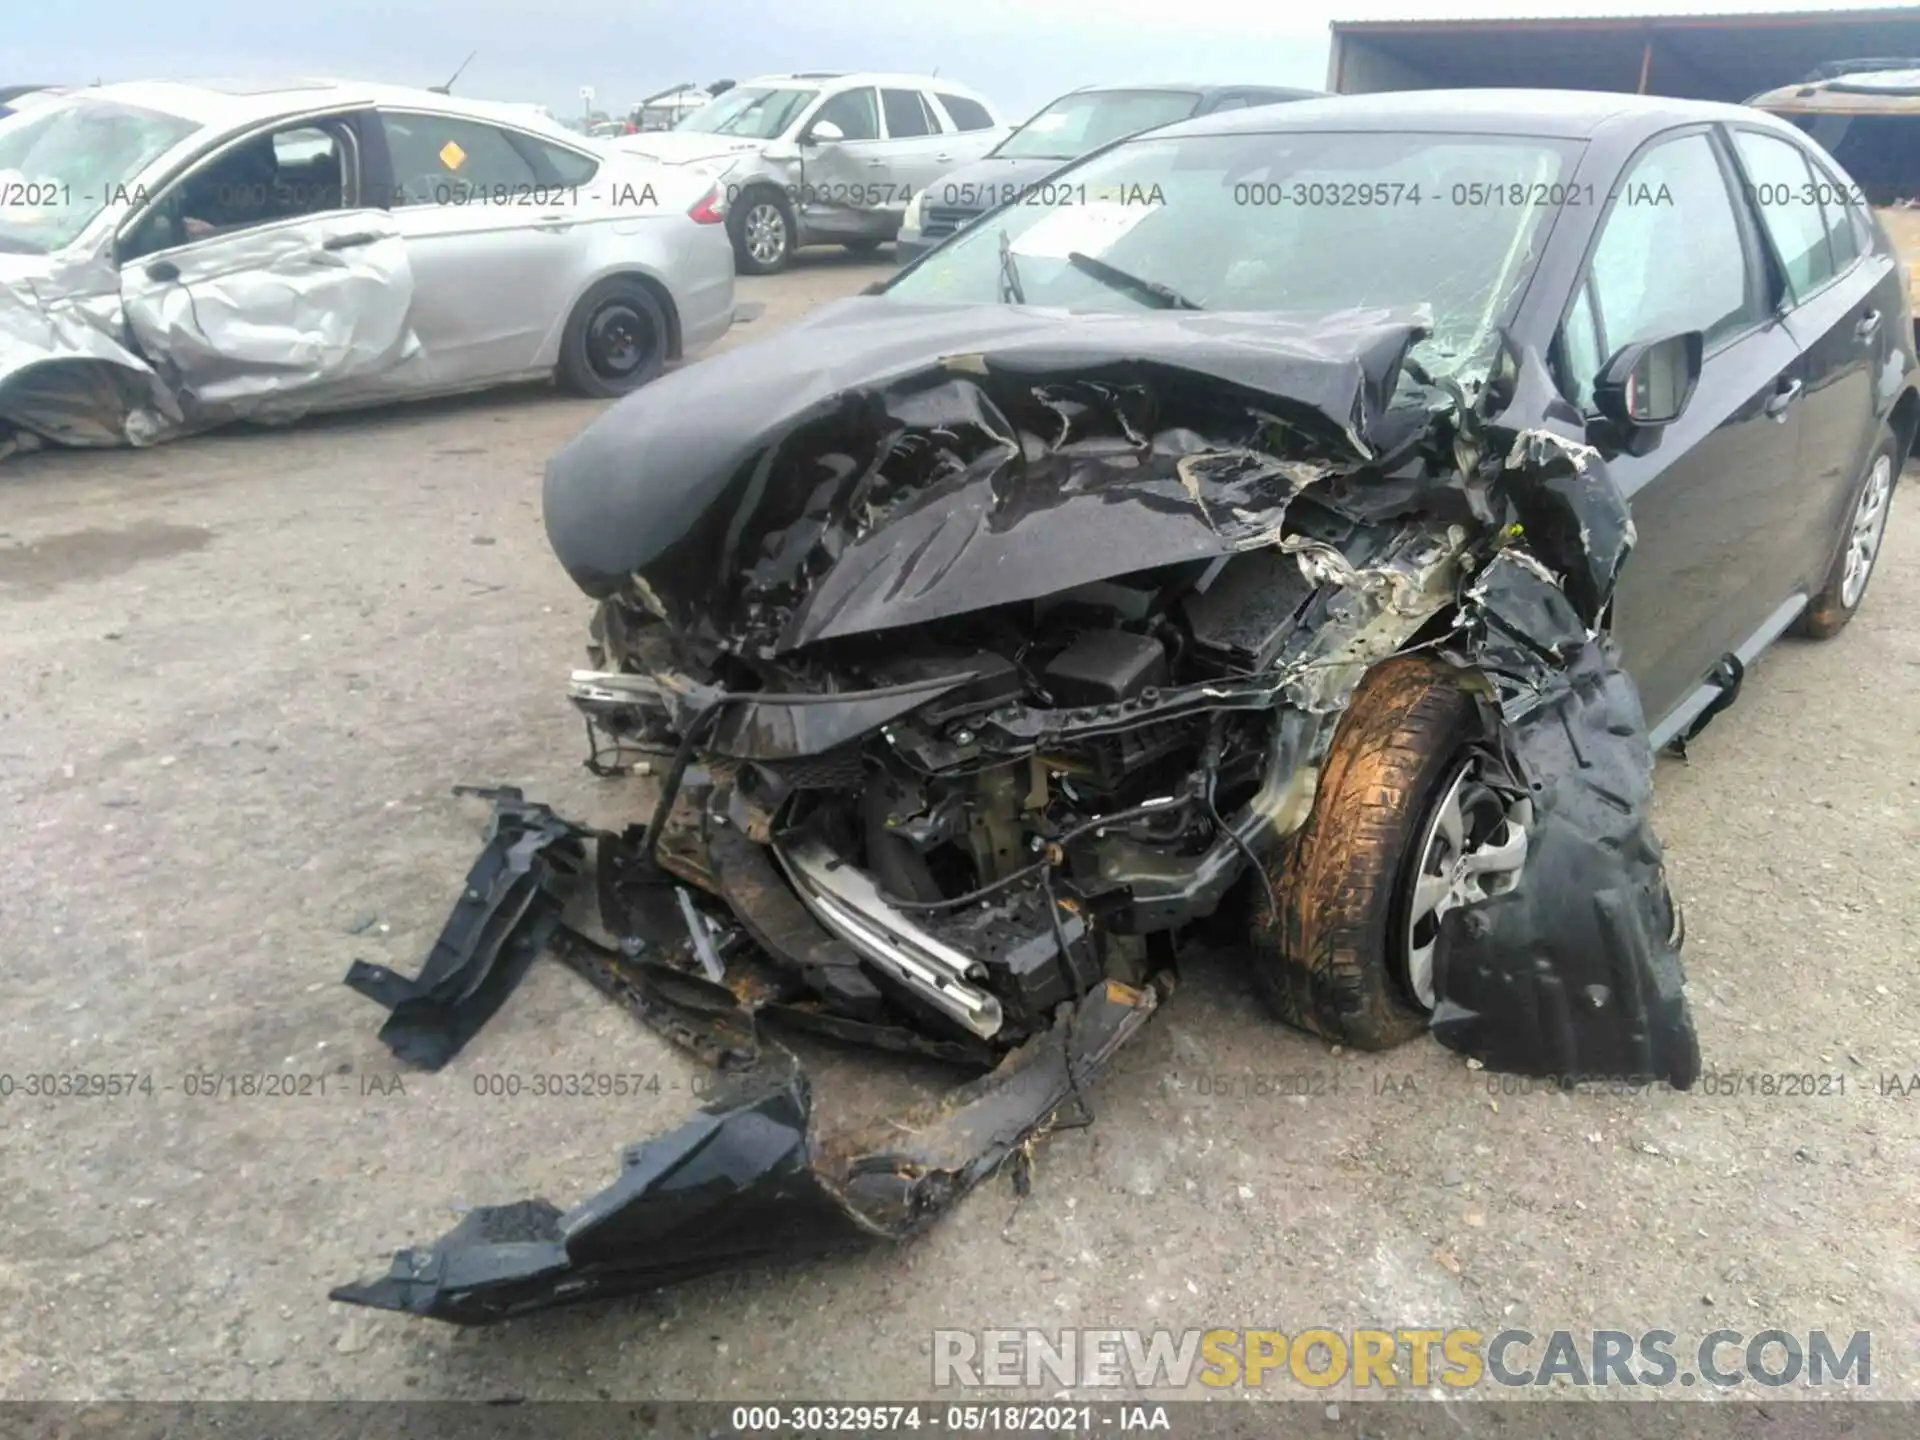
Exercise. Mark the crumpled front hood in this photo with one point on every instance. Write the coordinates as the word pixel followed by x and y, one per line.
pixel 886 464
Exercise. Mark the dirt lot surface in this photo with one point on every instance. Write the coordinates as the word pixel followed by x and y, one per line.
pixel 242 675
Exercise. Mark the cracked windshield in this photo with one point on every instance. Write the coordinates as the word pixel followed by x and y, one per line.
pixel 1306 224
pixel 60 166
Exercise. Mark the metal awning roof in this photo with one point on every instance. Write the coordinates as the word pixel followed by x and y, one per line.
pixel 1724 56
pixel 1695 19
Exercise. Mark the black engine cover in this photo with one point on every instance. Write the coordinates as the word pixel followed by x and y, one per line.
pixel 1103 666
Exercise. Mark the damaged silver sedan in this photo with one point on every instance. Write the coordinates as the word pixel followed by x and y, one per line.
pixel 174 257
pixel 1163 568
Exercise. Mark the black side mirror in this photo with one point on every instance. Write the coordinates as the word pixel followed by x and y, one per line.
pixel 1648 384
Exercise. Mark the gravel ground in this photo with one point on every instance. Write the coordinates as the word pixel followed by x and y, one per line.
pixel 242 674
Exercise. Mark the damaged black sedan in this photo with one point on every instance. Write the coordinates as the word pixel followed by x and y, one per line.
pixel 1298 533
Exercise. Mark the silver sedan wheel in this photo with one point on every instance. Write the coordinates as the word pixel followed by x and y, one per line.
pixel 1869 524
pixel 1473 849
pixel 765 229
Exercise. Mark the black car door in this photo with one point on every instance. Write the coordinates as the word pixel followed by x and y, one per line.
pixel 1677 251
pixel 1843 308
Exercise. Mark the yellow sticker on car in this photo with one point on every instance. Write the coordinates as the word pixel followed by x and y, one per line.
pixel 452 156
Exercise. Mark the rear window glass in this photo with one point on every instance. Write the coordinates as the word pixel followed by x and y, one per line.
pixel 1880 152
pixel 967 114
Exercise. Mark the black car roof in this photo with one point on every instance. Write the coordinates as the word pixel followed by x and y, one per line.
pixel 1570 114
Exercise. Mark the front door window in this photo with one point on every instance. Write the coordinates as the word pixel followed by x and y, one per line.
pixel 285 174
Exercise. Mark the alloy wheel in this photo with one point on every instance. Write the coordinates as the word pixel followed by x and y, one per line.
pixel 1472 849
pixel 1869 525
pixel 765 229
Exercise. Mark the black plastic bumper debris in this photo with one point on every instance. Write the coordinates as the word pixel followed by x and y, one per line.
pixel 744 1182
pixel 510 907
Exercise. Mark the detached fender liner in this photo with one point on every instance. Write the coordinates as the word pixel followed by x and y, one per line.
pixel 1576 973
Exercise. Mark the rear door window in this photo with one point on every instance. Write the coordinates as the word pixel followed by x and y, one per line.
pixel 907 114
pixel 1783 191
pixel 442 160
pixel 1849 231
pixel 568 167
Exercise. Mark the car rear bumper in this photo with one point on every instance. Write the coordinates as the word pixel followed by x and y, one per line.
pixel 704 289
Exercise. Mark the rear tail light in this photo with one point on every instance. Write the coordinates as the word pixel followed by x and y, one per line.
pixel 704 213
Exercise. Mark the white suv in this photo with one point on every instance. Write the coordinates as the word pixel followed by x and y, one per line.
pixel 822 158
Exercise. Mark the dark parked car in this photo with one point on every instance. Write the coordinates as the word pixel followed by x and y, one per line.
pixel 1078 122
pixel 1297 541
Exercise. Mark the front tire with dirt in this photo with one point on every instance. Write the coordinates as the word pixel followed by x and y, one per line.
pixel 1331 962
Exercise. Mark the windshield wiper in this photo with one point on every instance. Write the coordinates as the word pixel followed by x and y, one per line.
pixel 1011 291
pixel 1116 278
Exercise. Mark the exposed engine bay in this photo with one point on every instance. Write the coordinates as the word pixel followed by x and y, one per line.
pixel 991 665
pixel 1076 779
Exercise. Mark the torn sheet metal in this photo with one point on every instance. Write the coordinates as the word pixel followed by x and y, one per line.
pixel 898 464
pixel 986 665
pixel 265 324
pixel 68 370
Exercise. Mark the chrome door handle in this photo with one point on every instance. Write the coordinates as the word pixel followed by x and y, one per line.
pixel 1869 323
pixel 1783 397
pixel 943 158
pixel 876 164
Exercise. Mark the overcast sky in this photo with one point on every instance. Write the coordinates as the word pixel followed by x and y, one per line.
pixel 1020 52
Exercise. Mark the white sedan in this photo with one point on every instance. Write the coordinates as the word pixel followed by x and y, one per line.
pixel 176 256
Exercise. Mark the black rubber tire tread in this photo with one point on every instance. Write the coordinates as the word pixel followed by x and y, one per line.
pixel 1825 615
pixel 576 372
pixel 1322 964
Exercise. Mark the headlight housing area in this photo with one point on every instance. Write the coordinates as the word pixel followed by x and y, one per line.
pixel 915 206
